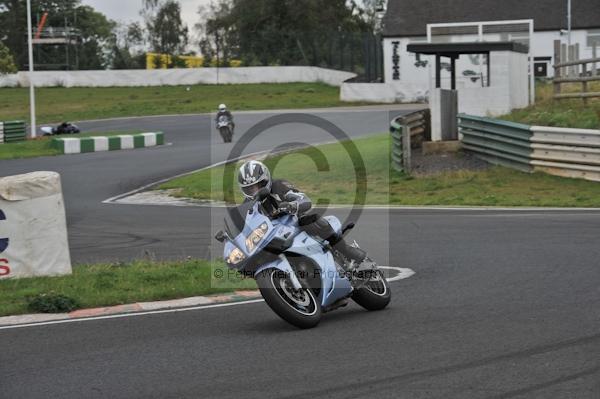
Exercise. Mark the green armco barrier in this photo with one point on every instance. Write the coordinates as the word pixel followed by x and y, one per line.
pixel 12 131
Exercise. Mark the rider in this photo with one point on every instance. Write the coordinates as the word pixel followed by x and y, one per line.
pixel 254 175
pixel 223 111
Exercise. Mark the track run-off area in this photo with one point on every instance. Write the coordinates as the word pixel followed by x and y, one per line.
pixel 504 303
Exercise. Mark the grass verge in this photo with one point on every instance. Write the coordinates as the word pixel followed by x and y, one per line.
pixel 496 186
pixel 42 146
pixel 562 113
pixel 121 283
pixel 82 103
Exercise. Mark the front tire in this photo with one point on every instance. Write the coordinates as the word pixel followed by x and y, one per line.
pixel 298 307
pixel 225 134
pixel 375 294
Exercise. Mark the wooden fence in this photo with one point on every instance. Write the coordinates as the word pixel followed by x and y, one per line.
pixel 568 68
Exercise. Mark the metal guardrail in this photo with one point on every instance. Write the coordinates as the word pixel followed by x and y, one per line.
pixel 12 131
pixel 408 131
pixel 558 151
pixel 498 142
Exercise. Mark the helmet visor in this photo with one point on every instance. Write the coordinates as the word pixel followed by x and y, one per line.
pixel 250 191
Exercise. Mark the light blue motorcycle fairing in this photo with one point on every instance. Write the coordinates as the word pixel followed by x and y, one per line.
pixel 334 287
pixel 283 265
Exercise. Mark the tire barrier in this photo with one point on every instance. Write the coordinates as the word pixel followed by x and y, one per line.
pixel 108 143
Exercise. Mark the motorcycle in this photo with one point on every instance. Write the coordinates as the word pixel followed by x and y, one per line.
pixel 63 128
pixel 225 128
pixel 299 276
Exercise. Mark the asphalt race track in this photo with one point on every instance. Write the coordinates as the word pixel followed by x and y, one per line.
pixel 100 232
pixel 504 303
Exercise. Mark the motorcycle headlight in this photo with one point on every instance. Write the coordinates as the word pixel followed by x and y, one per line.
pixel 235 257
pixel 256 236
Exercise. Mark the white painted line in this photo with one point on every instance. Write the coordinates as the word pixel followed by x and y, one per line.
pixel 113 200
pixel 403 273
pixel 118 316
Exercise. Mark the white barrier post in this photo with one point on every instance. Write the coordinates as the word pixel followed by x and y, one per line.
pixel 33 228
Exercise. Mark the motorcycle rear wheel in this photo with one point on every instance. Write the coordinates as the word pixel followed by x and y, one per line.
pixel 298 307
pixel 375 294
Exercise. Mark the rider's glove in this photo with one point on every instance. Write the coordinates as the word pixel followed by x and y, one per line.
pixel 288 207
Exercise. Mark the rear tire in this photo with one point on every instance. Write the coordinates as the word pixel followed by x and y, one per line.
pixel 299 308
pixel 375 295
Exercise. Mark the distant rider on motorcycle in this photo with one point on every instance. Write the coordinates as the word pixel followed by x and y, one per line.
pixel 223 111
pixel 254 175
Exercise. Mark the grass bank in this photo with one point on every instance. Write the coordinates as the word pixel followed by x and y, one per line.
pixel 42 146
pixel 82 103
pixel 563 113
pixel 121 283
pixel 496 186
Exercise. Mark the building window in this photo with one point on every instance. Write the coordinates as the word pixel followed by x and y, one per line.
pixel 522 38
pixel 593 38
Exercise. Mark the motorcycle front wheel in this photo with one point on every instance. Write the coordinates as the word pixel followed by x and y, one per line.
pixel 375 294
pixel 298 307
pixel 226 134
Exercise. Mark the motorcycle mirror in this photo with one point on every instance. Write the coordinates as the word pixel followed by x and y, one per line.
pixel 262 194
pixel 221 236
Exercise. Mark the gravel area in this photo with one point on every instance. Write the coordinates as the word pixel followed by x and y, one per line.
pixel 425 165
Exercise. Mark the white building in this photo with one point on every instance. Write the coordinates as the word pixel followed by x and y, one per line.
pixel 407 76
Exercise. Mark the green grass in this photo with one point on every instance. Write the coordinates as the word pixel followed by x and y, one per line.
pixel 42 146
pixel 563 113
pixel 116 284
pixel 60 104
pixel 337 185
pixel 496 186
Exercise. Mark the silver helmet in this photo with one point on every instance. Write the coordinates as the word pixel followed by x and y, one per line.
pixel 252 176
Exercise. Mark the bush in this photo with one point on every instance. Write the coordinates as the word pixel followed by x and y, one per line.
pixel 51 303
pixel 7 62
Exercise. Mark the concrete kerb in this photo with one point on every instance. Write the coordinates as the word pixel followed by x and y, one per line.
pixel 78 145
pixel 134 308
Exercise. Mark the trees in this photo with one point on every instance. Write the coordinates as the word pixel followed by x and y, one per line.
pixel 127 47
pixel 94 28
pixel 286 32
pixel 218 37
pixel 7 63
pixel 166 31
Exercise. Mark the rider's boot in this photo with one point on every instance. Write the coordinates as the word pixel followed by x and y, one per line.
pixel 353 254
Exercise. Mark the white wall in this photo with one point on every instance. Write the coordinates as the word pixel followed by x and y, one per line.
pixel 9 80
pixel 174 77
pixel 543 45
pixel 369 92
pixel 509 87
pixel 413 82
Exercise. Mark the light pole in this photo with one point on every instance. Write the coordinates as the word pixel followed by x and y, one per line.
pixel 31 87
pixel 569 22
